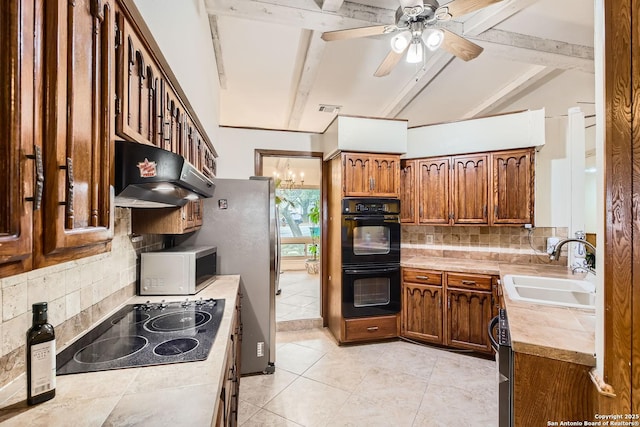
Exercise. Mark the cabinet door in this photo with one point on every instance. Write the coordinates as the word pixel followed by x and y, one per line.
pixel 433 190
pixel 468 314
pixel 78 140
pixel 171 130
pixel 408 191
pixel 209 161
pixel 513 187
pixel 17 138
pixel 422 312
pixel 197 213
pixel 137 83
pixel 385 176
pixel 470 189
pixel 357 179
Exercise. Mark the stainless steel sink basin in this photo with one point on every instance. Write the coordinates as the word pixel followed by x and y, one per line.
pixel 551 291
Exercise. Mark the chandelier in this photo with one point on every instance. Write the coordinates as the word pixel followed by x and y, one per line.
pixel 288 179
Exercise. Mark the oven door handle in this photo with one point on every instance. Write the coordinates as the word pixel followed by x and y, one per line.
pixel 378 218
pixel 492 326
pixel 372 271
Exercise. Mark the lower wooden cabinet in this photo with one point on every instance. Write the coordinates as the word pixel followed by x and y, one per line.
pixel 227 414
pixel 461 322
pixel 422 295
pixel 167 220
pixel 370 328
pixel 563 389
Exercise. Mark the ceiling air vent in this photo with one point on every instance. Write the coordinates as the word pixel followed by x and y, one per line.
pixel 325 108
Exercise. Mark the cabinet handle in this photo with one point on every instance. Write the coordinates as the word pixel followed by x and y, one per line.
pixel 495 211
pixel 69 202
pixel 469 282
pixel 422 277
pixel 39 178
pixel 372 328
pixel 449 302
pixel 484 212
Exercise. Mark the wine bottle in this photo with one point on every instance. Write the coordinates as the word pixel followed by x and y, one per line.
pixel 41 357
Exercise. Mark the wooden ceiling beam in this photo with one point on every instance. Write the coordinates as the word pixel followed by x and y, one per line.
pixel 305 14
pixel 307 76
pixel 331 5
pixel 535 50
pixel 217 51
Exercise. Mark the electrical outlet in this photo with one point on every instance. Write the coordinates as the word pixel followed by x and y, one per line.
pixel 429 239
pixel 260 349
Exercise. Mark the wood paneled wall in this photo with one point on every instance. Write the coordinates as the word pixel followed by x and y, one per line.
pixel 622 215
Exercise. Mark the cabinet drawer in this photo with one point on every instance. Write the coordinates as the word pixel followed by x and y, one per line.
pixel 426 277
pixel 371 328
pixel 469 281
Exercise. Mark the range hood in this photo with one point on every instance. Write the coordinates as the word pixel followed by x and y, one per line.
pixel 150 177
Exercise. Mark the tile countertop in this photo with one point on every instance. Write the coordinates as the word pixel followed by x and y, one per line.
pixel 174 394
pixel 560 333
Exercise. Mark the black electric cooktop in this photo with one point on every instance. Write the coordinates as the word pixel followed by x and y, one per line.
pixel 146 334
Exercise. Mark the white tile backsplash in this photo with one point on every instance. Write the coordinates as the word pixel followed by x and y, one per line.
pixel 68 288
pixel 14 301
pixel 72 304
pixel 14 332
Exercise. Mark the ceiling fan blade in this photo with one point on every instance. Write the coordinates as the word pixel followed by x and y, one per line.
pixel 462 7
pixel 389 62
pixel 354 33
pixel 459 46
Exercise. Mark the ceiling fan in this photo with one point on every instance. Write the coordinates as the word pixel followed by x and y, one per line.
pixel 414 24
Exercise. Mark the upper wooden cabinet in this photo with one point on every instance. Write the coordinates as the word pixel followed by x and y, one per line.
pixel 371 175
pixel 513 187
pixel 486 188
pixel 78 135
pixel 408 191
pixel 65 141
pixel 182 220
pixel 17 149
pixel 469 189
pixel 149 108
pixel 433 190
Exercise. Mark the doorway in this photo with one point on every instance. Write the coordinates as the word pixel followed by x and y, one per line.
pixel 298 178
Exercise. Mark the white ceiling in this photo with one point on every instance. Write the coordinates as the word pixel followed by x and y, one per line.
pixel 275 70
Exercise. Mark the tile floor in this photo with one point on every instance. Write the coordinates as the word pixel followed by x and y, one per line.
pixel 318 383
pixel 299 297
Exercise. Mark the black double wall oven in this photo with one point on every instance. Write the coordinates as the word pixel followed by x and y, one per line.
pixel 370 257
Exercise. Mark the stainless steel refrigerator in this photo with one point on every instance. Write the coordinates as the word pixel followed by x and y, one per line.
pixel 240 220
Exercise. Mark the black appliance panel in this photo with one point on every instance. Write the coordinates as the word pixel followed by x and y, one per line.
pixel 370 232
pixel 144 335
pixel 370 291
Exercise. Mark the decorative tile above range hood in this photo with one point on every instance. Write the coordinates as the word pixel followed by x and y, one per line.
pixel 150 177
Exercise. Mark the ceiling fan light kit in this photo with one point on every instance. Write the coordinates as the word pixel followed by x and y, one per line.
pixel 399 42
pixel 415 53
pixel 414 21
pixel 433 38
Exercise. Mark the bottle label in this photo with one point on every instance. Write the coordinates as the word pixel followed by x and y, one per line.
pixel 43 367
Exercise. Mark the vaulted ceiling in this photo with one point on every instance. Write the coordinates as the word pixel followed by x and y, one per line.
pixel 275 70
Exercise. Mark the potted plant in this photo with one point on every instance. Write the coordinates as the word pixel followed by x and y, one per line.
pixel 314 218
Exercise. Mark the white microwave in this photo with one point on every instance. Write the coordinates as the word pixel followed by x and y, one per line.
pixel 181 270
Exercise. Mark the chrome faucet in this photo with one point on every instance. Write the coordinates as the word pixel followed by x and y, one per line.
pixel 555 253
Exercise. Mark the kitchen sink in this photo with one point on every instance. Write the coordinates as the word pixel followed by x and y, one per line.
pixel 551 291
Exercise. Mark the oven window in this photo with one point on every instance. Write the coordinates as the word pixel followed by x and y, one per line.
pixel 371 291
pixel 371 240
